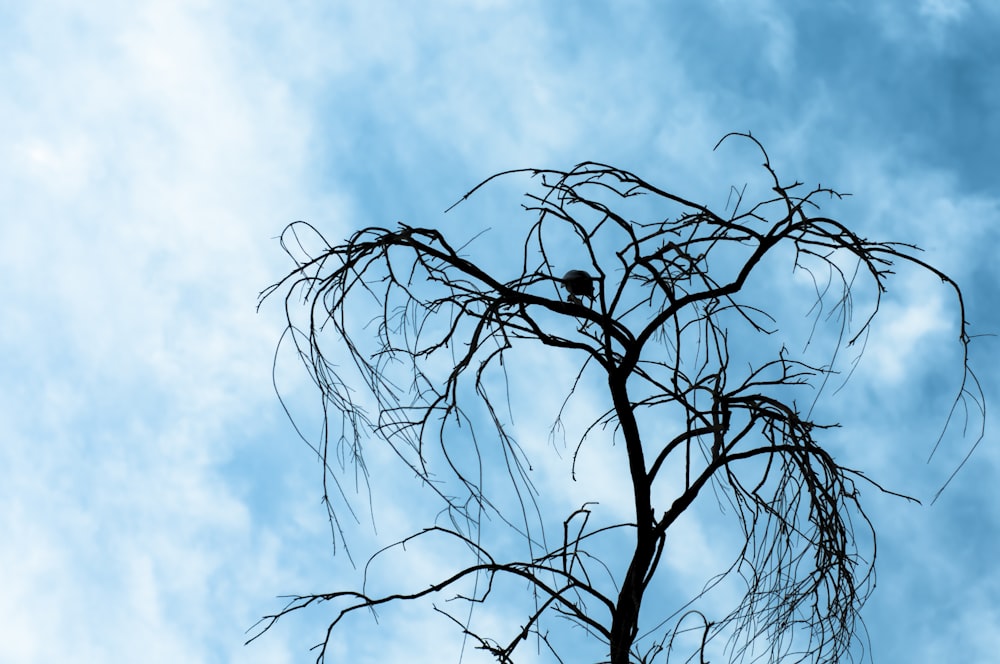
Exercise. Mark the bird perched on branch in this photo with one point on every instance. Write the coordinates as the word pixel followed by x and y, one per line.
pixel 579 284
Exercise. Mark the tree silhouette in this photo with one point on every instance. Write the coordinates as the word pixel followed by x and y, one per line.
pixel 668 308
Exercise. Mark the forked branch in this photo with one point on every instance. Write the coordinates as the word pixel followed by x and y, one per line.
pixel 412 343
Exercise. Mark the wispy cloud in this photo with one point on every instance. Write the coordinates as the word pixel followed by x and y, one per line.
pixel 152 498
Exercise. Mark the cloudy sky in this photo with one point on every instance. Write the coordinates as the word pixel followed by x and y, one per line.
pixel 155 501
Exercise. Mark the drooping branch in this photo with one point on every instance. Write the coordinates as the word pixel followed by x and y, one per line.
pixel 408 338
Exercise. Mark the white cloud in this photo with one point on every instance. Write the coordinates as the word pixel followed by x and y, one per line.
pixel 929 23
pixel 906 336
pixel 945 11
pixel 153 150
pixel 148 169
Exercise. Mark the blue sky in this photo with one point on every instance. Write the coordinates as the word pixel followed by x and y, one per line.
pixel 153 498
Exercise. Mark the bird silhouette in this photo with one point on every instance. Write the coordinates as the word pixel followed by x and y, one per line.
pixel 579 284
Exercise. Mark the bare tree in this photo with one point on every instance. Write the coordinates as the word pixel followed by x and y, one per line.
pixel 410 343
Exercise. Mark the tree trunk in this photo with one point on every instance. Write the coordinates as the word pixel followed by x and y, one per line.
pixel 625 622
